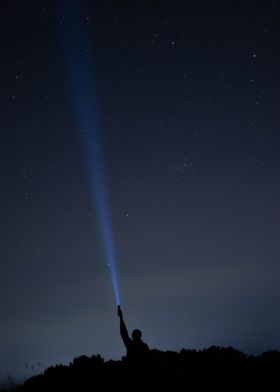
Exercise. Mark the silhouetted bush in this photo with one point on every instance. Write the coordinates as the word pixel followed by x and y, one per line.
pixel 216 367
pixel 8 383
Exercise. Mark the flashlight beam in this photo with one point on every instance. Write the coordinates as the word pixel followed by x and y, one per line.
pixel 80 69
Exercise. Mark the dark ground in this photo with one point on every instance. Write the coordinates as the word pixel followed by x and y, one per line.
pixel 216 367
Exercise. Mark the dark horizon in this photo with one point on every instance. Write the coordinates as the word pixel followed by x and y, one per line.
pixel 186 108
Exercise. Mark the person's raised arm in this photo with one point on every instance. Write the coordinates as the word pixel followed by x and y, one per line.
pixel 123 330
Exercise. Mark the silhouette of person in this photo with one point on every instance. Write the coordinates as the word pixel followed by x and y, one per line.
pixel 136 349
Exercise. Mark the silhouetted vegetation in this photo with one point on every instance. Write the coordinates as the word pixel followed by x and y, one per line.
pixel 8 383
pixel 215 367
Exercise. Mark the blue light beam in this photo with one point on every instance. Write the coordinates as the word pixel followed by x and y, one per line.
pixel 75 40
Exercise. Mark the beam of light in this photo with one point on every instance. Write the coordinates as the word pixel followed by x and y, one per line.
pixel 80 68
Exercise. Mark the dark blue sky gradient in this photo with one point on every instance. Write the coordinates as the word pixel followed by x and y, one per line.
pixel 187 98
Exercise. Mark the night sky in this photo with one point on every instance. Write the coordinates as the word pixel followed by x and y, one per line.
pixel 187 109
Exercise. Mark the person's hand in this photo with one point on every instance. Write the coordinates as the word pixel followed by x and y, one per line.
pixel 119 312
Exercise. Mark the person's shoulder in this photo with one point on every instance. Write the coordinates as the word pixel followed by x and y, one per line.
pixel 146 346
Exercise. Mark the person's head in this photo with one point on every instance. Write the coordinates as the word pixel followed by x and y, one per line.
pixel 136 334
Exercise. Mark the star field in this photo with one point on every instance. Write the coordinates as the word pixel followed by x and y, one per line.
pixel 187 99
